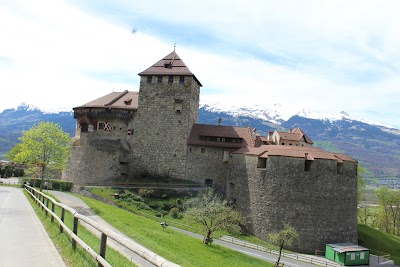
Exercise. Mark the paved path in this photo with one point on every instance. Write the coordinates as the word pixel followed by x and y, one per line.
pixel 82 208
pixel 23 240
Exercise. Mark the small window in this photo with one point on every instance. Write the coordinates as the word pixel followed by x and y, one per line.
pixel 84 127
pixel 352 256
pixel 225 157
pixel 203 150
pixel 283 144
pixel 290 144
pixel 307 166
pixel 159 79
pixel 149 79
pixel 170 79
pixel 262 163
pixel 231 186
pixel 100 125
pixel 181 79
pixel 361 255
pixel 218 139
pixel 339 168
pixel 178 107
pixel 208 182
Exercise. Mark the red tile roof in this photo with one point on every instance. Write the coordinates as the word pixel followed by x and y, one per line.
pixel 169 65
pixel 292 151
pixel 295 135
pixel 199 130
pixel 119 100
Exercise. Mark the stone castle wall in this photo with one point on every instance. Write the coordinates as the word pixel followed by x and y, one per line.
pixel 320 204
pixel 95 163
pixel 207 163
pixel 166 113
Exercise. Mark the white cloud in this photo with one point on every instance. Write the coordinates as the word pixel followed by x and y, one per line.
pixel 326 56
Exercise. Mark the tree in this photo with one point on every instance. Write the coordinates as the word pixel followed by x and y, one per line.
pixel 283 238
pixel 214 214
pixel 361 184
pixel 389 204
pixel 45 145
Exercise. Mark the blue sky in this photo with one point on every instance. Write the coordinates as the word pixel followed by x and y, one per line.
pixel 324 56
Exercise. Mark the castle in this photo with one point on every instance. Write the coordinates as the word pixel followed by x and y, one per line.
pixel 274 179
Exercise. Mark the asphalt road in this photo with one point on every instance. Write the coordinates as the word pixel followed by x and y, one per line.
pixel 23 240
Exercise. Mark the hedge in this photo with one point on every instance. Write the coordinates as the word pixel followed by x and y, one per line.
pixel 58 185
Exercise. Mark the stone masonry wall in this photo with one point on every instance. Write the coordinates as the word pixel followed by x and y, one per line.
pixel 207 163
pixel 320 204
pixel 159 142
pixel 95 163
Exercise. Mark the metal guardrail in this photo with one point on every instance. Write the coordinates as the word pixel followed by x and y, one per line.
pixel 294 256
pixel 43 201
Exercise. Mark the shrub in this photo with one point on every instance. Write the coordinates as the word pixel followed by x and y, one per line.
pixel 59 185
pixel 174 212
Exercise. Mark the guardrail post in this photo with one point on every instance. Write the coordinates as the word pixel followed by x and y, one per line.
pixel 62 219
pixel 52 210
pixel 75 230
pixel 103 246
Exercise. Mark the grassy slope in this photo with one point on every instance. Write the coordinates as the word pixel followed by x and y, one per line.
pixel 175 246
pixel 182 223
pixel 379 241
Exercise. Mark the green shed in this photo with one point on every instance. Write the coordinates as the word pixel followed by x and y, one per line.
pixel 347 254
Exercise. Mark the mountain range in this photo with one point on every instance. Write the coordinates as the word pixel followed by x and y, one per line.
pixel 375 146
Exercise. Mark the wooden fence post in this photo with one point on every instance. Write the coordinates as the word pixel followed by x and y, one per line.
pixel 62 219
pixel 47 205
pixel 52 209
pixel 103 246
pixel 75 230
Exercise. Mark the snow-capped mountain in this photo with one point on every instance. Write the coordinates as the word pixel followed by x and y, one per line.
pixel 278 114
pixel 367 142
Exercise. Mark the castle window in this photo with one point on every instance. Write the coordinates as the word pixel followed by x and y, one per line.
pixel 231 186
pixel 149 79
pixel 170 79
pixel 339 168
pixel 203 150
pixel 283 144
pixel 225 158
pixel 181 79
pixel 307 165
pixel 159 79
pixel 208 182
pixel 100 125
pixel 262 163
pixel 84 127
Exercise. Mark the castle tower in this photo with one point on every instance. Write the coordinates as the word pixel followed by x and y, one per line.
pixel 167 109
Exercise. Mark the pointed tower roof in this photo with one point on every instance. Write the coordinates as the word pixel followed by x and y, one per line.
pixel 171 64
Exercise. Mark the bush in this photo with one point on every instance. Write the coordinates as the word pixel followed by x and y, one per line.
pixel 58 185
pixel 174 212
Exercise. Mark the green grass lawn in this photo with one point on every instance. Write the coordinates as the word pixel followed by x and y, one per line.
pixel 172 245
pixel 182 223
pixel 78 257
pixel 379 241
